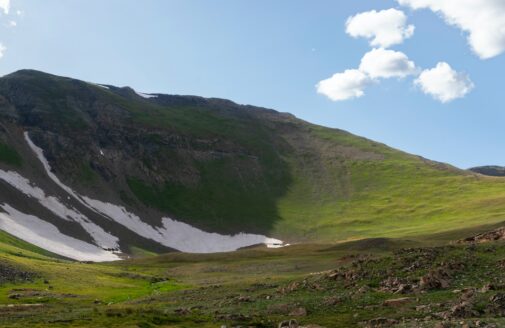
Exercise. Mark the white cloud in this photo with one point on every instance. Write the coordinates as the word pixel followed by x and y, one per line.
pixel 12 23
pixel 383 28
pixel 342 86
pixel 2 50
pixel 443 83
pixel 5 5
pixel 382 63
pixel 375 64
pixel 484 20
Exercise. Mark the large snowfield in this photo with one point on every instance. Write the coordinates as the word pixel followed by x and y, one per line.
pixel 174 234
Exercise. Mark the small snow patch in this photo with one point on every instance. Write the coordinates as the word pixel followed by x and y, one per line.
pixel 100 85
pixel 276 245
pixel 145 95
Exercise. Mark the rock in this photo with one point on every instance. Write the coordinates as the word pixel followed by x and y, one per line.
pixel 363 290
pixel 443 324
pixel 498 299
pixel 233 317
pixel 423 308
pixel 487 287
pixel 11 274
pixel 298 312
pixel 462 310
pixel 244 299
pixel 397 302
pixel 282 309
pixel 467 294
pixel 497 304
pixel 288 324
pixel 395 285
pixel 497 234
pixel 331 301
pixel 435 279
pixel 380 323
pixel 181 311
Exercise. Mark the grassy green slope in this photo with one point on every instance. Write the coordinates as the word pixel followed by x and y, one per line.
pixel 400 196
pixel 250 169
pixel 326 196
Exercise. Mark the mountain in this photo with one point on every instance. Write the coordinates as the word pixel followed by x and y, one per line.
pixel 97 172
pixel 491 170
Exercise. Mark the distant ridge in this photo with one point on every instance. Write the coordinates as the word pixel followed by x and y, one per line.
pixel 491 170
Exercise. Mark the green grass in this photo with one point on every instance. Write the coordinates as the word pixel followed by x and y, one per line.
pixel 191 290
pixel 10 156
pixel 399 196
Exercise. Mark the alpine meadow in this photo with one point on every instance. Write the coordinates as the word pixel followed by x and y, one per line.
pixel 121 207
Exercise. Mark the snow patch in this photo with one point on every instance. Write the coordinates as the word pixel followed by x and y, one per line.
pixel 45 235
pixel 102 238
pixel 172 233
pixel 145 95
pixel 102 86
pixel 179 235
pixel 277 245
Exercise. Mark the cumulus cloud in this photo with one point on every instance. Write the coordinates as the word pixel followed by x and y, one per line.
pixel 343 86
pixel 383 63
pixel 5 5
pixel 383 28
pixel 375 64
pixel 483 20
pixel 443 83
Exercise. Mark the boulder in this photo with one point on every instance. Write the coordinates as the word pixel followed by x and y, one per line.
pixel 298 312
pixel 397 302
pixel 288 324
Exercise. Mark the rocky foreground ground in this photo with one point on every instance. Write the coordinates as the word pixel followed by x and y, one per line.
pixel 457 285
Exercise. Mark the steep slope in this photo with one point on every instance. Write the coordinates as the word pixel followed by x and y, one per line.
pixel 123 172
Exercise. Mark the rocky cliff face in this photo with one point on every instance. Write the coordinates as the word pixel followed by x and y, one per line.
pixel 115 143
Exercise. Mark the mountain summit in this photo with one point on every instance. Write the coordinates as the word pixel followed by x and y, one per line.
pixel 95 172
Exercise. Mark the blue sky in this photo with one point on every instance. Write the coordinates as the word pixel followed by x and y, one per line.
pixel 272 54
